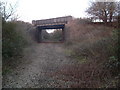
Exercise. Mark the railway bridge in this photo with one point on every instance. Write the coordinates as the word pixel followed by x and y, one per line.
pixel 53 23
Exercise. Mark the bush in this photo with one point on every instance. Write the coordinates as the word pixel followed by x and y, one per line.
pixel 26 30
pixel 113 63
pixel 13 42
pixel 93 50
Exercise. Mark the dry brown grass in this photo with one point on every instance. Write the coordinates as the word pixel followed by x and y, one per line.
pixel 80 32
pixel 92 46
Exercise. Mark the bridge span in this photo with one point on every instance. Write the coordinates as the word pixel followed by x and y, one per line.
pixel 53 23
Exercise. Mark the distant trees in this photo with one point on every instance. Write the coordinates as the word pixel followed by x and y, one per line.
pixel 57 35
pixel 45 35
pixel 54 36
pixel 104 11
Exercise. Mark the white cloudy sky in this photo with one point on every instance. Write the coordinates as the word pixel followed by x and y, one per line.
pixel 29 10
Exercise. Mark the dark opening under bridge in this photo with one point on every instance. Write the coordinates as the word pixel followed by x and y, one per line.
pixel 53 23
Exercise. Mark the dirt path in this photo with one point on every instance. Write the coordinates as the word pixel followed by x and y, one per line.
pixel 37 67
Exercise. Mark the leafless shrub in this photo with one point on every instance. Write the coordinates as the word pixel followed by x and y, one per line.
pixel 27 31
pixel 92 45
pixel 76 31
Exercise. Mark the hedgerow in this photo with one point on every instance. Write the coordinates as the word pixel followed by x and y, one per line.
pixel 12 41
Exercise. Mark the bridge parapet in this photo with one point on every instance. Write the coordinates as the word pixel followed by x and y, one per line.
pixel 52 21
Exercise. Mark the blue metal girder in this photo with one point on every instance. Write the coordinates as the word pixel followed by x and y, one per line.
pixel 60 26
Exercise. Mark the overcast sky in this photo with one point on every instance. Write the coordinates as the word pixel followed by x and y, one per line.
pixel 29 10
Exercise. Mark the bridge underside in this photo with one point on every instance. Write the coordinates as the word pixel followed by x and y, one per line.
pixel 40 28
pixel 61 26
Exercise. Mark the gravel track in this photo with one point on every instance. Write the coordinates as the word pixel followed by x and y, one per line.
pixel 35 69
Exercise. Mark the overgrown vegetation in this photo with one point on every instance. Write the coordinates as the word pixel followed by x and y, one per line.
pixel 15 36
pixel 95 47
pixel 55 36
pixel 13 42
pixel 12 45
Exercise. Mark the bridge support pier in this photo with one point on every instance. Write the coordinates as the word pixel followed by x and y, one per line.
pixel 63 34
pixel 39 35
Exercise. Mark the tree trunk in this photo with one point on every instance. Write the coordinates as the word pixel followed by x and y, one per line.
pixel 111 16
pixel 105 17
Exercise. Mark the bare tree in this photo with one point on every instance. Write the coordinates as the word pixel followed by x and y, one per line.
pixel 102 10
pixel 7 10
pixel 118 13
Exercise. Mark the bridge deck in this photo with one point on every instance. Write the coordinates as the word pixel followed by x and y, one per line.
pixel 51 27
pixel 53 21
